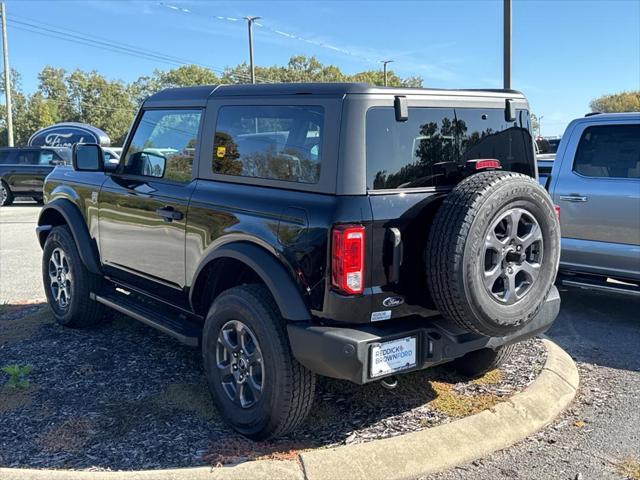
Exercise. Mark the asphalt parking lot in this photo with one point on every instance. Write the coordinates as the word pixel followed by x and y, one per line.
pixel 601 332
pixel 20 254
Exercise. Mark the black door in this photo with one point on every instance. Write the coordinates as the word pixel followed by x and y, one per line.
pixel 143 207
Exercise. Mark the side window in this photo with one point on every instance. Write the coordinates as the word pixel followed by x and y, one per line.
pixel 610 151
pixel 164 145
pixel 5 157
pixel 271 142
pixel 26 157
pixel 46 157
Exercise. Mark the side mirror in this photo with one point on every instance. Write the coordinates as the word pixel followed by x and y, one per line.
pixel 87 157
pixel 149 164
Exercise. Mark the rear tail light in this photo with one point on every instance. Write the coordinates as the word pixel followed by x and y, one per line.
pixel 487 163
pixel 347 258
pixel 557 207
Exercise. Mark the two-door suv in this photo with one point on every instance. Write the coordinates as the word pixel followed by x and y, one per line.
pixel 298 230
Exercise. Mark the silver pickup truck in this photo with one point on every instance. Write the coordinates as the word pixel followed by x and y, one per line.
pixel 594 181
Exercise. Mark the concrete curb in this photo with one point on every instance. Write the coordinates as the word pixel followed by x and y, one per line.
pixel 407 456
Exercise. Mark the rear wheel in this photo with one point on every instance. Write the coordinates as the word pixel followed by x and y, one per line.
pixel 6 196
pixel 67 282
pixel 476 364
pixel 258 386
pixel 493 252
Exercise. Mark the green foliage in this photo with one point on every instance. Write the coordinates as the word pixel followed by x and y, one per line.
pixel 617 102
pixel 89 97
pixel 17 374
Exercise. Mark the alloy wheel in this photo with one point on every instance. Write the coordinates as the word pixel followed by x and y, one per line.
pixel 512 255
pixel 60 277
pixel 240 362
pixel 3 194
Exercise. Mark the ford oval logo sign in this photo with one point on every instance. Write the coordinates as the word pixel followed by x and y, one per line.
pixel 392 301
pixel 67 134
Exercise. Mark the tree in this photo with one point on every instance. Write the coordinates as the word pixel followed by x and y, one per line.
pixel 110 105
pixel 617 102
pixel 535 124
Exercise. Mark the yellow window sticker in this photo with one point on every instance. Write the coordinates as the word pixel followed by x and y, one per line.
pixel 220 151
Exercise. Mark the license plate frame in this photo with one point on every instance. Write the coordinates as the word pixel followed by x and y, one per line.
pixel 393 356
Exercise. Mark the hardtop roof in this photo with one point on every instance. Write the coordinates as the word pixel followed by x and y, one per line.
pixel 200 94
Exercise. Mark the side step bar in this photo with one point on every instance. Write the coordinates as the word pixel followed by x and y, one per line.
pixel 588 283
pixel 180 328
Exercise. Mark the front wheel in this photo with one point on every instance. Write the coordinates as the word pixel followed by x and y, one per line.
pixel 67 282
pixel 258 386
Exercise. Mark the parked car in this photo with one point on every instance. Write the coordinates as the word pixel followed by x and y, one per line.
pixel 595 181
pixel 294 230
pixel 23 169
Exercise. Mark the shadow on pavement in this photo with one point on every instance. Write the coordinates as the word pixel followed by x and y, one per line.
pixel 598 328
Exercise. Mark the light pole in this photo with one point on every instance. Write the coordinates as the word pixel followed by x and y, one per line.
pixel 540 125
pixel 506 69
pixel 7 76
pixel 250 21
pixel 384 66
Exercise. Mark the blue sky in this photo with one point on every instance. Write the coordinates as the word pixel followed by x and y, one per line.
pixel 565 52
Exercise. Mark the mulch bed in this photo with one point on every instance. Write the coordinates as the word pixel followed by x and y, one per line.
pixel 122 396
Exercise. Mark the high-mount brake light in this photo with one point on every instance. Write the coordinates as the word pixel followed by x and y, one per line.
pixel 487 163
pixel 347 258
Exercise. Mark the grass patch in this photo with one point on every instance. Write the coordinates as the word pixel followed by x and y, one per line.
pixel 21 328
pixel 629 468
pixel 490 378
pixel 17 375
pixel 71 436
pixel 13 398
pixel 454 404
pixel 187 397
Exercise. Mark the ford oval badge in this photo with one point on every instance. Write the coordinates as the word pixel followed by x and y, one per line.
pixel 392 301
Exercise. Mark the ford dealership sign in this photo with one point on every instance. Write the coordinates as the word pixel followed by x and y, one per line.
pixel 67 134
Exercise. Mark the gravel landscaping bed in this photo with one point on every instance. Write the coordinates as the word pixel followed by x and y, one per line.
pixel 121 396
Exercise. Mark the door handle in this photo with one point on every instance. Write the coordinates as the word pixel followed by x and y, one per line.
pixel 169 214
pixel 573 198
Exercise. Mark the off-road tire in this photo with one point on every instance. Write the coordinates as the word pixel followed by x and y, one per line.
pixel 81 310
pixel 455 246
pixel 8 197
pixel 288 388
pixel 476 364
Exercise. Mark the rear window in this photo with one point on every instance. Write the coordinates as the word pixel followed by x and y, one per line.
pixel 271 142
pixel 433 146
pixel 611 151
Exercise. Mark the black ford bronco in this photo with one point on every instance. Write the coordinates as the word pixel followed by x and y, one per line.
pixel 298 230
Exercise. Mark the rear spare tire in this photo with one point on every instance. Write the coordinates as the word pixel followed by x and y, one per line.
pixel 493 252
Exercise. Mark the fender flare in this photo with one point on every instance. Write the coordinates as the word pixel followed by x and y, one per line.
pixel 284 290
pixel 74 219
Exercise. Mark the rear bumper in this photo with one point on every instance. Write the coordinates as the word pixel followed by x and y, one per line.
pixel 345 352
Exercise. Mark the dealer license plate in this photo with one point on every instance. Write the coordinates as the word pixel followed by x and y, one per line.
pixel 393 356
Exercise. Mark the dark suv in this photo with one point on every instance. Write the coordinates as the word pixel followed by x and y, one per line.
pixel 293 230
pixel 23 170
